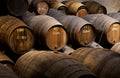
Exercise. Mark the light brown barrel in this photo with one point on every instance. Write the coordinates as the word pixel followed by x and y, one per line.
pixel 6 61
pixel 95 7
pixel 50 34
pixel 80 32
pixel 60 6
pixel 16 7
pixel 108 29
pixel 116 47
pixel 6 73
pixel 114 15
pixel 103 62
pixel 50 64
pixel 76 8
pixel 15 35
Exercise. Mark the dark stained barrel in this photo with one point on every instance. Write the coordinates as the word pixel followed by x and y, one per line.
pixel 60 6
pixel 39 6
pixel 103 62
pixel 6 73
pixel 48 31
pixel 50 64
pixel 80 32
pixel 108 29
pixel 76 8
pixel 15 35
pixel 114 15
pixel 6 61
pixel 95 7
pixel 16 7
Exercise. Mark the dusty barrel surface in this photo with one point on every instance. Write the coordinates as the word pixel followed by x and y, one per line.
pixel 50 64
pixel 80 32
pixel 39 6
pixel 114 15
pixel 6 73
pixel 14 6
pixel 108 29
pixel 76 8
pixel 15 35
pixel 95 7
pixel 6 61
pixel 116 47
pixel 103 62
pixel 60 6
pixel 48 31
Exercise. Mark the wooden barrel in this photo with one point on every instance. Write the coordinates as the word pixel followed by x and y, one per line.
pixel 60 6
pixel 103 62
pixel 39 6
pixel 76 8
pixel 114 15
pixel 48 31
pixel 15 35
pixel 80 32
pixel 108 29
pixel 50 64
pixel 17 7
pixel 6 73
pixel 6 61
pixel 116 47
pixel 95 7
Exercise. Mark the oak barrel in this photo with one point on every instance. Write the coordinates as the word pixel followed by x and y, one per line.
pixel 6 73
pixel 50 64
pixel 40 7
pixel 80 32
pixel 15 35
pixel 95 7
pixel 114 15
pixel 108 29
pixel 103 62
pixel 6 61
pixel 48 31
pixel 76 7
pixel 60 6
pixel 17 7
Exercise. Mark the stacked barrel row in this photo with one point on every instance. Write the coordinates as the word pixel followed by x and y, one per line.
pixel 43 64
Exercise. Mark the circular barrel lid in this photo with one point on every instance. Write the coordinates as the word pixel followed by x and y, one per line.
pixel 86 35
pixel 56 38
pixel 21 40
pixel 42 8
pixel 113 34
